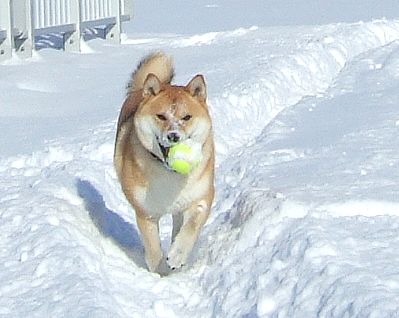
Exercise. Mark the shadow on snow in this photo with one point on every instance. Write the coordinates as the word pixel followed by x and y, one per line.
pixel 110 224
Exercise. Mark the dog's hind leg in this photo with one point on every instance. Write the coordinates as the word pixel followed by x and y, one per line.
pixel 193 220
pixel 149 229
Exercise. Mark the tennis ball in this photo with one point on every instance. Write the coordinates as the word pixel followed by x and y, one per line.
pixel 181 166
pixel 184 157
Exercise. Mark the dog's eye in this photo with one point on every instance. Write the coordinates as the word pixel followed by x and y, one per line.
pixel 161 117
pixel 187 117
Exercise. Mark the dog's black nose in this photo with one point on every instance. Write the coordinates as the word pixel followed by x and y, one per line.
pixel 173 136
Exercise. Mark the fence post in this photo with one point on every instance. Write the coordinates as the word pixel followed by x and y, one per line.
pixel 127 9
pixel 113 31
pixel 72 39
pixel 21 21
pixel 5 30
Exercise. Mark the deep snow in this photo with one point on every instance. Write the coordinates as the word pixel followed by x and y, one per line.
pixel 306 218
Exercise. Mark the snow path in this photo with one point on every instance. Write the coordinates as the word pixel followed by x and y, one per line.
pixel 290 232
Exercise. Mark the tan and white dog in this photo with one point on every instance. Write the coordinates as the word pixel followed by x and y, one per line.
pixel 154 116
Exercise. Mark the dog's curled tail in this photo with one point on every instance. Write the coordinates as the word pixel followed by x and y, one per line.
pixel 158 64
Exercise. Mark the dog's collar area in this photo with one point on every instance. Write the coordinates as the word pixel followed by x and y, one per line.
pixel 163 161
pixel 164 150
pixel 156 157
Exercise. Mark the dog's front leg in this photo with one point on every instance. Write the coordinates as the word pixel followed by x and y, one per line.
pixel 193 220
pixel 149 229
pixel 177 224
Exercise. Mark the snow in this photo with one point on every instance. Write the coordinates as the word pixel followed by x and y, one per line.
pixel 306 217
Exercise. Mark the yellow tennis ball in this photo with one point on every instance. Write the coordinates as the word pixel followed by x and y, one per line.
pixel 183 157
pixel 181 150
pixel 181 166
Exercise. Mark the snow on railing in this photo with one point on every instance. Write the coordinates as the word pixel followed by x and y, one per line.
pixel 22 20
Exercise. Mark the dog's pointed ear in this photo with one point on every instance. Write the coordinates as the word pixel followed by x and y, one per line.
pixel 152 85
pixel 197 88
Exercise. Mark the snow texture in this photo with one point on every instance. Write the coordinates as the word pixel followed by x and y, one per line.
pixel 306 217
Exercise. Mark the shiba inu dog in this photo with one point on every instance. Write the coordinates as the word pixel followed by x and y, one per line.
pixel 154 116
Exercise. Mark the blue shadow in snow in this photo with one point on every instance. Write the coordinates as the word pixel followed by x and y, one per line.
pixel 56 40
pixel 110 224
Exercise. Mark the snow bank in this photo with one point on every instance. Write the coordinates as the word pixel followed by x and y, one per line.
pixel 298 231
pixel 279 80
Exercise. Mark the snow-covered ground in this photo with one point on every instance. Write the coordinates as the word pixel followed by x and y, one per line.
pixel 306 218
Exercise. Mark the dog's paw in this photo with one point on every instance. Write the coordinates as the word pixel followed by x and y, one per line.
pixel 176 258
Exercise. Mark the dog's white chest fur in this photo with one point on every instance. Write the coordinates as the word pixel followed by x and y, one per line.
pixel 169 193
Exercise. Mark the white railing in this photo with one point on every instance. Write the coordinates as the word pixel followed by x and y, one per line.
pixel 50 13
pixel 22 20
pixel 5 30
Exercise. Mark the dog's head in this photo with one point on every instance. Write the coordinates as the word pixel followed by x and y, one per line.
pixel 170 114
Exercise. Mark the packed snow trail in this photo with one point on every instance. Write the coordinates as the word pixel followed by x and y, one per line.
pixel 306 218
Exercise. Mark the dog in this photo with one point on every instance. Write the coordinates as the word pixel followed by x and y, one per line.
pixel 154 116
